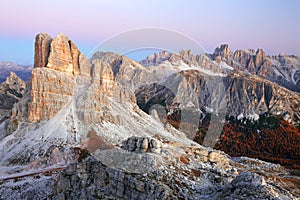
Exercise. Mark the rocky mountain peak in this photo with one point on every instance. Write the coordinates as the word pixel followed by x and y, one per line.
pixel 50 90
pixel 105 57
pixel 13 77
pixel 15 83
pixel 59 54
pixel 6 68
pixel 260 54
pixel 186 53
pixel 156 58
pixel 222 51
pixel 62 74
pixel 281 69
pixel 11 91
pixel 251 51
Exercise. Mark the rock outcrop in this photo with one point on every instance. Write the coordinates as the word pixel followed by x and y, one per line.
pixel 141 144
pixel 65 57
pixel 180 173
pixel 63 73
pixel 11 92
pixel 281 69
pixel 50 92
pixel 223 51
pixel 41 50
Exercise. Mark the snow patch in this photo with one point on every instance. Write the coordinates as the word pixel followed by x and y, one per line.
pixel 208 109
pixel 293 76
pixel 190 105
pixel 253 117
pixel 224 65
pixel 209 72
pixel 240 116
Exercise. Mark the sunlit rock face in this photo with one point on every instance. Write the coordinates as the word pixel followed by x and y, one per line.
pixel 50 91
pixel 282 69
pixel 238 94
pixel 62 75
pixel 41 49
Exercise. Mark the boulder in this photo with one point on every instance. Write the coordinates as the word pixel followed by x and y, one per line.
pixel 141 144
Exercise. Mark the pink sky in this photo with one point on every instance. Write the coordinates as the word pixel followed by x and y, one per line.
pixel 270 24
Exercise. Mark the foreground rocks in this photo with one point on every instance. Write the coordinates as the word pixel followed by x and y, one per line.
pixel 141 144
pixel 170 178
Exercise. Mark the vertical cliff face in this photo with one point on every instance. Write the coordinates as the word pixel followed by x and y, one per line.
pixel 59 54
pixel 64 56
pixel 240 95
pixel 50 92
pixel 223 51
pixel 63 76
pixel 41 49
pixel 281 69
pixel 60 57
pixel 56 61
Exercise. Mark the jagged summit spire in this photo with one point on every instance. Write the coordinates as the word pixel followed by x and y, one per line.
pixel 223 50
pixel 41 49
pixel 59 54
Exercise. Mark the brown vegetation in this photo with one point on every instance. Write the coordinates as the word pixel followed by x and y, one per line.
pixel 280 145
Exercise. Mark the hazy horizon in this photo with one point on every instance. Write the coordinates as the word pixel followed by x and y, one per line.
pixel 270 25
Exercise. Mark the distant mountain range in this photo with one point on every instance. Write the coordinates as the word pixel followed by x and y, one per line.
pixel 282 69
pixel 24 72
pixel 114 128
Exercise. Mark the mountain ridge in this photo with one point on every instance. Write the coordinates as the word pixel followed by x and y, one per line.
pixel 273 68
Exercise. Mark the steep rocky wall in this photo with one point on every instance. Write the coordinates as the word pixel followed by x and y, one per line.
pixel 56 61
pixel 50 91
pixel 281 69
pixel 237 95
pixel 62 75
pixel 41 49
